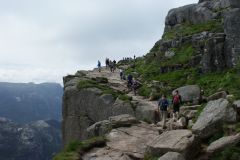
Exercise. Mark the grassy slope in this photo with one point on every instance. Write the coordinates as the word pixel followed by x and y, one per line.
pixel 149 67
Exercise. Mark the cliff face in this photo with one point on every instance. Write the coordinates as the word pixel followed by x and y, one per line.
pixel 212 27
pixel 86 105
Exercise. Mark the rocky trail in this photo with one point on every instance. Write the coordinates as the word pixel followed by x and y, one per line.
pixel 128 135
pixel 121 85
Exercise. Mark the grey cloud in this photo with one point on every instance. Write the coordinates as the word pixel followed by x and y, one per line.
pixel 66 35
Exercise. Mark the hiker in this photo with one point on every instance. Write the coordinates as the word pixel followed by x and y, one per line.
pixel 176 101
pixel 107 62
pixel 162 109
pixel 99 66
pixel 135 86
pixel 114 65
pixel 121 74
pixel 130 81
pixel 134 57
pixel 111 65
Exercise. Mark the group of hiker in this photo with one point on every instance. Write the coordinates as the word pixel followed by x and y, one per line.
pixel 111 64
pixel 163 106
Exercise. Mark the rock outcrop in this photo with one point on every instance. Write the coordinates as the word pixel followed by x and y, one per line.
pixel 86 106
pixel 181 141
pixel 125 143
pixel 216 48
pixel 172 156
pixel 212 118
pixel 222 143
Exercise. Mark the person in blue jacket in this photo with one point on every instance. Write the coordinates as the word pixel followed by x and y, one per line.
pixel 162 109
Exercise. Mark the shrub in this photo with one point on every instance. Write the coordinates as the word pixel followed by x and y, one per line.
pixel 125 97
pixel 187 29
pixel 74 149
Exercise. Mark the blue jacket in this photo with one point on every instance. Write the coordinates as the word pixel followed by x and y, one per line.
pixel 163 104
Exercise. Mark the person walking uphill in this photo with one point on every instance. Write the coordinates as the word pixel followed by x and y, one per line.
pixel 162 109
pixel 99 66
pixel 176 101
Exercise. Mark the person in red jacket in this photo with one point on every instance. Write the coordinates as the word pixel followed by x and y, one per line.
pixel 176 101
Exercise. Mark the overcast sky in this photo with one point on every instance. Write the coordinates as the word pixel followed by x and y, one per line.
pixel 44 40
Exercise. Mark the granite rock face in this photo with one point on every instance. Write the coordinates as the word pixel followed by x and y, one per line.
pixel 212 118
pixel 124 143
pixel 222 143
pixel 83 108
pixel 221 49
pixel 182 141
pixel 172 156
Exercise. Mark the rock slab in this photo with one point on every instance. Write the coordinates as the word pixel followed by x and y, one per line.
pixel 182 141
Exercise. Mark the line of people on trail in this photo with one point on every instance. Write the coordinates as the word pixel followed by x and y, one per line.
pixel 164 105
pixel 112 65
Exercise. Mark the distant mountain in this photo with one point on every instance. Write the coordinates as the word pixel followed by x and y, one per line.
pixel 27 102
pixel 35 141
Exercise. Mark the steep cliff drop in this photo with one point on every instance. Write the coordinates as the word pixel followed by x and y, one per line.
pixel 200 44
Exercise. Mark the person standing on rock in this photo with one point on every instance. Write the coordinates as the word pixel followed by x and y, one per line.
pixel 114 65
pixel 99 66
pixel 107 62
pixel 162 109
pixel 121 74
pixel 130 81
pixel 176 101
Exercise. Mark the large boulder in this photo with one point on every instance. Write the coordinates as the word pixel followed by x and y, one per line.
pixel 172 156
pixel 212 117
pixel 218 95
pixel 194 13
pixel 99 128
pixel 189 111
pixel 236 106
pixel 182 141
pixel 103 127
pixel 190 93
pixel 124 142
pixel 124 120
pixel 222 143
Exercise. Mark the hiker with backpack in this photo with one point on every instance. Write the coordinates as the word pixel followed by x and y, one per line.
pixel 111 65
pixel 99 66
pixel 176 101
pixel 135 86
pixel 121 74
pixel 107 62
pixel 130 81
pixel 114 65
pixel 162 109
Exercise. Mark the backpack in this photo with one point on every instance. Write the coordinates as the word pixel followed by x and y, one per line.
pixel 176 99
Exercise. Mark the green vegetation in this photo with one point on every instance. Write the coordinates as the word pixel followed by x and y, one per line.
pixel 150 157
pixel 187 29
pixel 199 111
pixel 230 153
pixel 125 97
pixel 238 127
pixel 100 79
pixel 93 84
pixel 144 91
pixel 74 149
